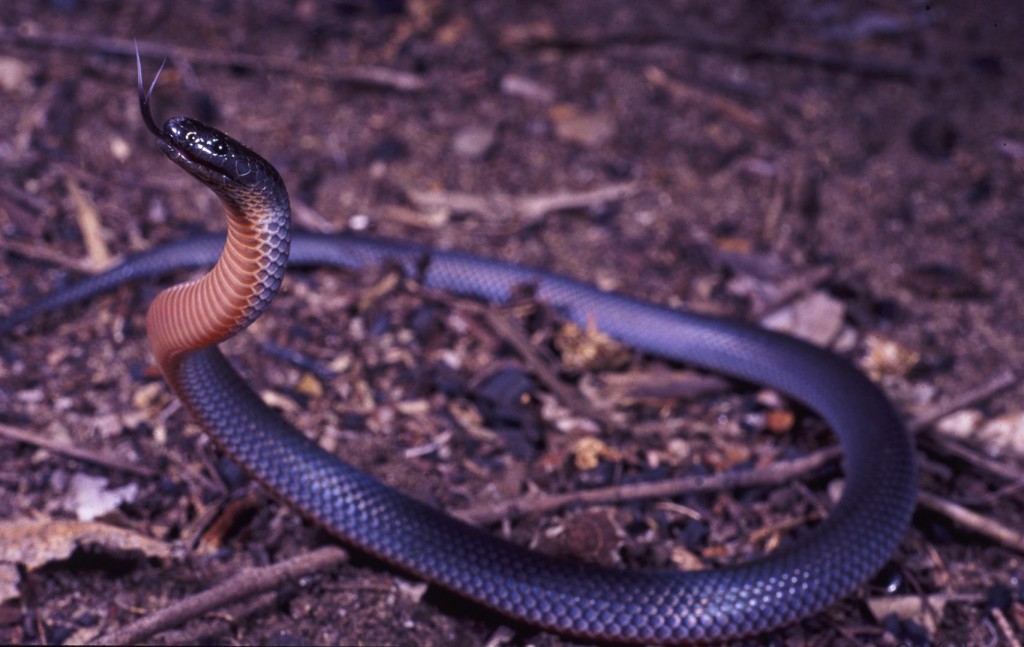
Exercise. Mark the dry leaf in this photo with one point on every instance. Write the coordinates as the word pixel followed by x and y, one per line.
pixel 886 357
pixel 35 543
pixel 523 34
pixel 310 386
pixel 88 497
pixel 925 610
pixel 686 559
pixel 589 349
pixel 1003 435
pixel 588 452
pixel 592 536
pixel 89 223
pixel 817 318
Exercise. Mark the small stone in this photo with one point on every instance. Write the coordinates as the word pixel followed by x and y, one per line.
pixel 816 318
pixel 1004 436
pixel 474 142
pixel 120 149
pixel 886 357
pixel 14 74
pixel 779 421
pixel 308 385
pixel 960 424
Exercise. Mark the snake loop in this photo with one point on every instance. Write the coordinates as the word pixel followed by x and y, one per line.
pixel 186 322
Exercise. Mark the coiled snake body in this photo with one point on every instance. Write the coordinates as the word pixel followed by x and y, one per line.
pixel 186 322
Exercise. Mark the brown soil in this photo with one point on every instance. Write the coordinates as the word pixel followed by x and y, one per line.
pixel 871 152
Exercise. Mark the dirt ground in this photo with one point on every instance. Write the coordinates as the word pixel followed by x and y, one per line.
pixel 857 162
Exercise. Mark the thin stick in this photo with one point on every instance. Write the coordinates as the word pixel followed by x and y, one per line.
pixel 48 255
pixel 246 583
pixel 78 453
pixel 982 525
pixel 1003 380
pixel 528 208
pixel 512 334
pixel 980 461
pixel 782 53
pixel 232 617
pixel 368 75
pixel 691 94
pixel 534 207
pixel 1005 627
pixel 535 504
pixel 1000 382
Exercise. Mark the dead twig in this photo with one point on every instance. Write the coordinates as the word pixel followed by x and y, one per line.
pixel 971 520
pixel 829 61
pixel 89 223
pixel 48 255
pixel 686 93
pixel 367 75
pixel 534 207
pixel 978 460
pixel 78 453
pixel 245 584
pixel 782 53
pixel 1005 627
pixel 528 208
pixel 536 504
pixel 233 616
pixel 28 201
pixel 1000 382
pixel 537 365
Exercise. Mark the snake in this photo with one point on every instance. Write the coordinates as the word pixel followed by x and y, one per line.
pixel 186 322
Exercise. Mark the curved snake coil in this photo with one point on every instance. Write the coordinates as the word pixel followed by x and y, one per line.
pixel 186 322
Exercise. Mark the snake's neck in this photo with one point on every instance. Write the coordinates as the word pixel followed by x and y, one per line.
pixel 214 307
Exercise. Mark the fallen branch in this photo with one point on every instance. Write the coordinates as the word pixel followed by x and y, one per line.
pixel 978 460
pixel 78 453
pixel 368 75
pixel 245 584
pixel 535 363
pixel 529 208
pixel 774 474
pixel 971 520
pixel 48 254
pixel 1005 627
pixel 980 393
pixel 780 53
pixel 1000 382
pixel 685 93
